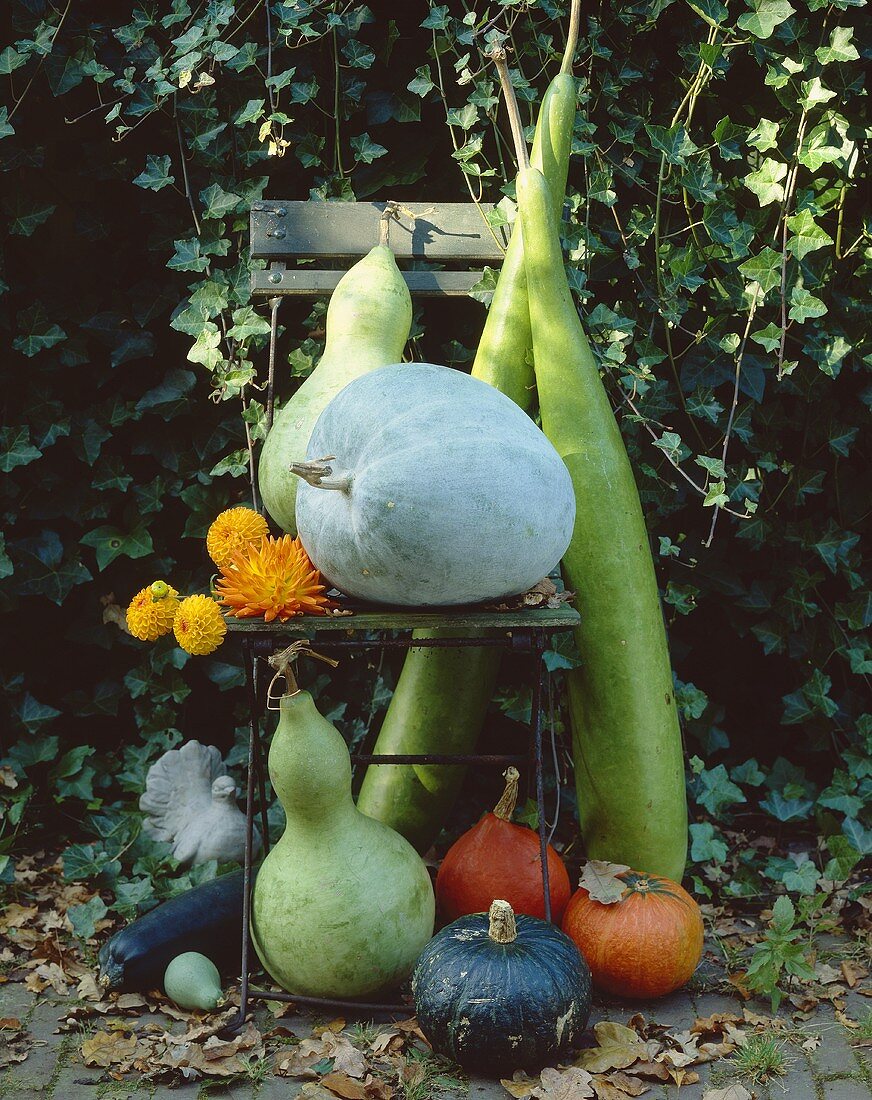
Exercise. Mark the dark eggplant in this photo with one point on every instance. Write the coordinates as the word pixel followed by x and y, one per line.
pixel 207 919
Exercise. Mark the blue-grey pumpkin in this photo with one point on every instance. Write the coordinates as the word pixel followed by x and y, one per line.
pixel 497 992
pixel 445 492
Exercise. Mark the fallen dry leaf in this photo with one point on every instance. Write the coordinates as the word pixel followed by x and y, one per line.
pixel 825 974
pixel 617 1047
pixel 14 1048
pixel 10 1023
pixel 108 1048
pixel 565 1084
pixel 852 973
pixel 714 1024
pixel 657 1070
pixel 600 880
pixel 812 1043
pixel 299 1061
pixel 520 1086
pixel 346 1087
pixel 732 1092
pixel 617 1086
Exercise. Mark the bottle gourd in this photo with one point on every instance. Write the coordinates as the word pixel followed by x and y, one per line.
pixel 342 905
pixel 368 323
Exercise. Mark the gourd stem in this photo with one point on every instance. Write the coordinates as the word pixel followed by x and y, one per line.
pixel 384 222
pixel 498 56
pixel 282 662
pixel 317 474
pixel 506 805
pixel 571 37
pixel 502 927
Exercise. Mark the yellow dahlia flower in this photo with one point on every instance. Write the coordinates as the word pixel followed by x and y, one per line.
pixel 274 578
pixel 233 530
pixel 152 611
pixel 199 627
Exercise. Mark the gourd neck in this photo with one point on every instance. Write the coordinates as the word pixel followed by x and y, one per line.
pixel 502 927
pixel 309 765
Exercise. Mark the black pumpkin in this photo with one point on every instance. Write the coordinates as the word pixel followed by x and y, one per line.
pixel 498 993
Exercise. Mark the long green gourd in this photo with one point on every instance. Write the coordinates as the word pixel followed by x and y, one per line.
pixel 626 737
pixel 368 323
pixel 442 694
pixel 342 905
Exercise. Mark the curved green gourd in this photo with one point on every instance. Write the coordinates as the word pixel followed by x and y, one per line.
pixel 368 323
pixel 442 695
pixel 342 905
pixel 628 757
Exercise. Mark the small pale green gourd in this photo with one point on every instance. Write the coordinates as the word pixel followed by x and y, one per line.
pixel 342 905
pixel 368 323
pixel 192 981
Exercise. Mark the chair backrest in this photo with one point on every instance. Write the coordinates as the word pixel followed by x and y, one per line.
pixel 455 233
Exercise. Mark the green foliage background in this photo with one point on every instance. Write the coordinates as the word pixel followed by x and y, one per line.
pixel 716 244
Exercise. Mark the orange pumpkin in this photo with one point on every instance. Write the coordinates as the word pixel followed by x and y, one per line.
pixel 496 859
pixel 646 944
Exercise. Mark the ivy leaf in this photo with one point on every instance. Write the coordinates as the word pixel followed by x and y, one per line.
pixel 251 112
pixel 601 881
pixel 217 202
pixel 37 333
pixel 715 496
pixel 156 174
pixel 366 150
pixel 16 448
pixel 712 11
pixel 765 16
pixel 247 322
pixel 787 809
pixel 84 917
pixel 763 135
pixel 170 396
pixel 358 55
pixel 807 235
pixel 765 181
pixel 813 92
pixel 33 715
pixel 840 48
pixel 835 545
pixel 47 571
pixel 6 127
pixel 769 337
pixel 860 837
pixel 764 268
pixel 111 543
pixel 422 82
pixel 205 349
pixel 804 305
pixel 27 214
pixel 188 256
pixel 715 790
pixel 672 141
pixel 10 60
pixel 707 844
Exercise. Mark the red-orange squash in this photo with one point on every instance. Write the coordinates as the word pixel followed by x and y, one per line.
pixel 496 859
pixel 645 945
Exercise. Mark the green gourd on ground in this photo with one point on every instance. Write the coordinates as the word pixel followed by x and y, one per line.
pixel 442 695
pixel 626 738
pixel 342 905
pixel 368 322
pixel 192 981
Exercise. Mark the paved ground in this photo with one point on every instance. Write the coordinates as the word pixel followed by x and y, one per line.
pixel 833 1071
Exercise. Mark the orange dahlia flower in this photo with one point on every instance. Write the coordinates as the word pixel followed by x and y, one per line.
pixel 273 578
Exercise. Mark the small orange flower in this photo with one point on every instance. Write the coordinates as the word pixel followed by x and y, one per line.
pixel 233 530
pixel 274 578
pixel 152 611
pixel 199 626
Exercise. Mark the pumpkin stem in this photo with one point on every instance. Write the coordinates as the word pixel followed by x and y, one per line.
pixel 506 805
pixel 317 473
pixel 502 927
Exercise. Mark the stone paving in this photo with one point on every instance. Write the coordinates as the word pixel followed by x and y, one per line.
pixel 834 1071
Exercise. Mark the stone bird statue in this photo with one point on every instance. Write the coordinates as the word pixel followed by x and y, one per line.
pixel 190 801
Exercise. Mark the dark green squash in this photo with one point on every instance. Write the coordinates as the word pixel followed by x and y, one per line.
pixel 497 992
